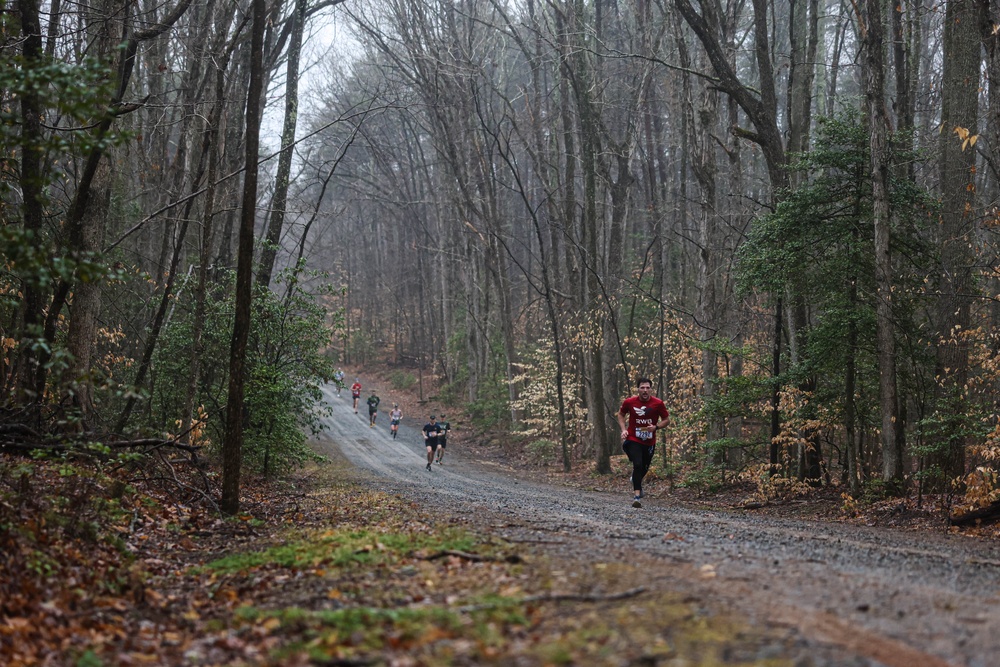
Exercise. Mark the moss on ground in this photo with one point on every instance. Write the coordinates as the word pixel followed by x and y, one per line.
pixel 380 581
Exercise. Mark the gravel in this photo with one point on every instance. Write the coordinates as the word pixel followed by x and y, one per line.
pixel 855 595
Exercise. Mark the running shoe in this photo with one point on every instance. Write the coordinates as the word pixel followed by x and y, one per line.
pixel 428 465
pixel 636 503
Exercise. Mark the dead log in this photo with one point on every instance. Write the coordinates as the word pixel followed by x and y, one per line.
pixel 987 514
pixel 22 446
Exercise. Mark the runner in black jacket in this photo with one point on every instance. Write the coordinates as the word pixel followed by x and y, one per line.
pixel 431 439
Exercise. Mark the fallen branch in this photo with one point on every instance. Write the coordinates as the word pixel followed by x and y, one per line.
pixel 21 429
pixel 559 597
pixel 475 558
pixel 344 662
pixel 533 541
pixel 154 443
pixel 188 487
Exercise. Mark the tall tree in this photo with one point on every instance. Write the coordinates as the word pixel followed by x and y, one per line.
pixel 961 54
pixel 877 118
pixel 31 183
pixel 279 202
pixel 232 446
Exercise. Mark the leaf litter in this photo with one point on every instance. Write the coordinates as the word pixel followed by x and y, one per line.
pixel 97 569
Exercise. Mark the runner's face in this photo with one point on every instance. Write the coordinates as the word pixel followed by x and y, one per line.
pixel 644 390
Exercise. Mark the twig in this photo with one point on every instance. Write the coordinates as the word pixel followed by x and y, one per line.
pixel 188 487
pixel 518 540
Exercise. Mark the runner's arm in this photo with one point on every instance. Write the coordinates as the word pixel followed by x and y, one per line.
pixel 663 423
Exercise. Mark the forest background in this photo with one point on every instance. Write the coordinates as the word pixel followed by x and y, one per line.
pixel 784 213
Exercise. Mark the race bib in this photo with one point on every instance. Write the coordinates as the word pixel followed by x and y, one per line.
pixel 643 435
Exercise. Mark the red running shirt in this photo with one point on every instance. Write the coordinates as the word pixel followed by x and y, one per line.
pixel 641 417
pixel 356 389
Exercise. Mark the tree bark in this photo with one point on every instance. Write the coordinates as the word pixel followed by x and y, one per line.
pixel 959 99
pixel 879 132
pixel 232 446
pixel 31 182
pixel 279 202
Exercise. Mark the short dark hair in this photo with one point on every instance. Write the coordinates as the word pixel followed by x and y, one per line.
pixel 642 381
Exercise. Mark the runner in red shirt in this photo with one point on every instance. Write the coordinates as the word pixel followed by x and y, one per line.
pixel 639 417
pixel 356 393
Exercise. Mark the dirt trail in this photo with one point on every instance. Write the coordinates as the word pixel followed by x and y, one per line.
pixel 869 596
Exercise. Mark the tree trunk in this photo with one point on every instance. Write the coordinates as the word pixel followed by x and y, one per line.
pixel 31 182
pixel 701 123
pixel 86 306
pixel 879 132
pixel 204 256
pixel 901 67
pixel 232 446
pixel 959 99
pixel 589 154
pixel 279 202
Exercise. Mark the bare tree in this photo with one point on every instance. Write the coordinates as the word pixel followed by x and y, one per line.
pixel 233 444
pixel 962 48
pixel 879 131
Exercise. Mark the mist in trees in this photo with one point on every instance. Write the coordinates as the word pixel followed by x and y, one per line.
pixel 577 194
pixel 781 212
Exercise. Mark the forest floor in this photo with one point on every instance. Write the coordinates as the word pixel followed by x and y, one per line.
pixel 325 569
pixel 367 558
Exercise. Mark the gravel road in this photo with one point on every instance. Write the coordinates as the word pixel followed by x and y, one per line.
pixel 864 596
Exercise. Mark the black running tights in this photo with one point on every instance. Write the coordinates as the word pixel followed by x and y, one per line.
pixel 641 456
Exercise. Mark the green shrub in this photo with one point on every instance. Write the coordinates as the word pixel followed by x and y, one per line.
pixel 543 450
pixel 286 368
pixel 402 381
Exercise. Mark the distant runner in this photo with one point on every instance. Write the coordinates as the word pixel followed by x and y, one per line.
pixel 395 415
pixel 443 429
pixel 644 414
pixel 338 378
pixel 356 393
pixel 373 402
pixel 431 439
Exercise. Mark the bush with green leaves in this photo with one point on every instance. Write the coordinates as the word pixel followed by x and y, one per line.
pixel 402 380
pixel 67 96
pixel 286 368
pixel 543 450
pixel 490 408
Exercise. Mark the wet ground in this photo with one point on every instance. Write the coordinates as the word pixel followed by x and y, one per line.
pixel 851 595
